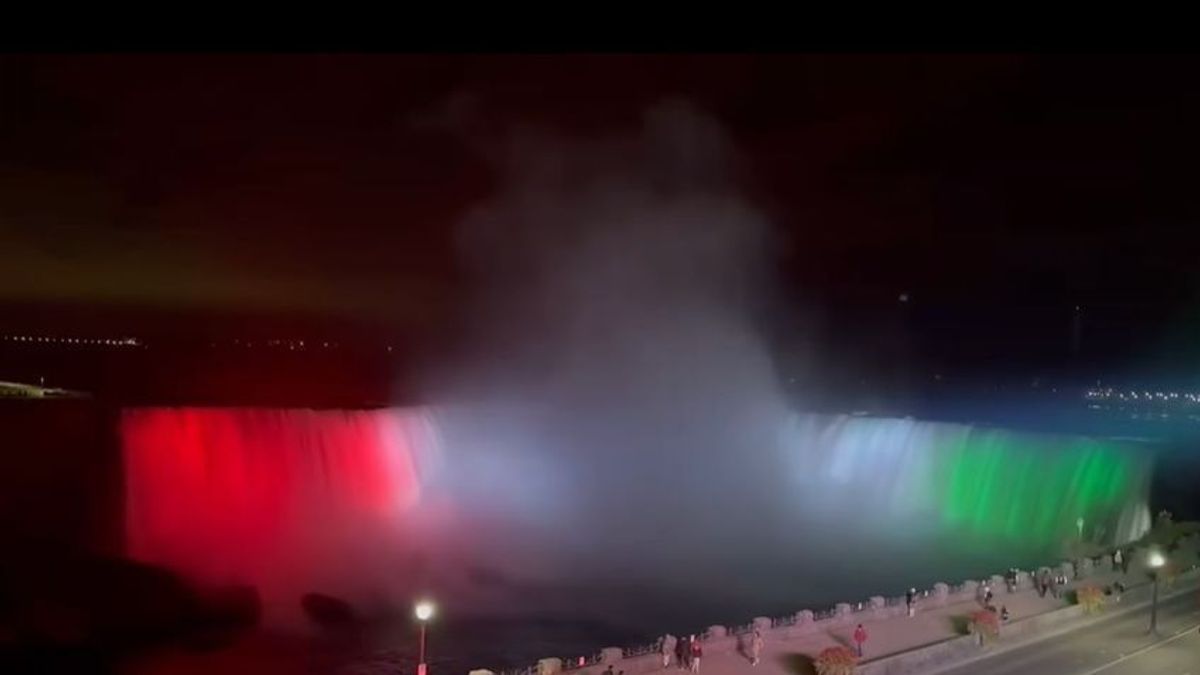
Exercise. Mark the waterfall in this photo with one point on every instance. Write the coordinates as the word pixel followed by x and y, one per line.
pixel 1006 486
pixel 1134 522
pixel 288 501
pixel 370 505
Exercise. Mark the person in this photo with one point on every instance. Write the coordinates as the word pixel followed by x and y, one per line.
pixel 987 596
pixel 697 652
pixel 683 652
pixel 1004 613
pixel 667 646
pixel 1124 564
pixel 1118 589
pixel 608 670
pixel 756 645
pixel 910 599
pixel 860 636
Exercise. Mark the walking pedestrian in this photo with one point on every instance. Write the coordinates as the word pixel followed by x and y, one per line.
pixel 682 650
pixel 1004 613
pixel 1122 561
pixel 910 599
pixel 667 648
pixel 860 636
pixel 756 645
pixel 697 652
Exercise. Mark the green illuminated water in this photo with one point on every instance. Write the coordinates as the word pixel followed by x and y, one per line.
pixel 974 483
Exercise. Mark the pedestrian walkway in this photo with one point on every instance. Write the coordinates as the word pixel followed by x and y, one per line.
pixel 895 634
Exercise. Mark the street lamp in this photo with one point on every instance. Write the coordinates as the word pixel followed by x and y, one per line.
pixel 424 611
pixel 1155 561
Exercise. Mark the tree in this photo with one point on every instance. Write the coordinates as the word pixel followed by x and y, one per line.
pixel 1091 599
pixel 986 624
pixel 836 661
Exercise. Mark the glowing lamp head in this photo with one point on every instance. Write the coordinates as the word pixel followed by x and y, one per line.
pixel 423 610
pixel 1156 560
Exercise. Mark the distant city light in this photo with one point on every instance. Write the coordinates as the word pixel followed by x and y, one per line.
pixel 57 340
pixel 1169 398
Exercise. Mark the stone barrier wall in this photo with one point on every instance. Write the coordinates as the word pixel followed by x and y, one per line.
pixel 721 639
pixel 956 650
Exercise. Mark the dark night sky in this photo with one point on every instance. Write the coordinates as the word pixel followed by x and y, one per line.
pixel 998 191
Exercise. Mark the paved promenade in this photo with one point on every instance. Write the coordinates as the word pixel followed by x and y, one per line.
pixel 1116 645
pixel 792 656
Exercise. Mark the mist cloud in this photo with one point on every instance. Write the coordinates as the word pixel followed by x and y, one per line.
pixel 620 279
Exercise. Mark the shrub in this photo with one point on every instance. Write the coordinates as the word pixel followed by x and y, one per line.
pixel 836 661
pixel 1091 598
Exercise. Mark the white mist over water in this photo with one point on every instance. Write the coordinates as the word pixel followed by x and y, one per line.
pixel 618 429
pixel 620 280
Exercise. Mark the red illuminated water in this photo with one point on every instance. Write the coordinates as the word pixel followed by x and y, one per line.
pixel 540 555
pixel 288 501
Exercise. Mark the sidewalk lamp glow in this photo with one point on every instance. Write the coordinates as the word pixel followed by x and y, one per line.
pixel 1155 561
pixel 424 610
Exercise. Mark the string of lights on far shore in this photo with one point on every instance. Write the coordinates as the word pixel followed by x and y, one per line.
pixel 1110 394
pixel 57 340
pixel 131 342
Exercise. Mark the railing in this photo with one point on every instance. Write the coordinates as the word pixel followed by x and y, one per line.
pixel 783 621
pixel 580 662
pixel 527 670
pixel 819 615
pixel 652 648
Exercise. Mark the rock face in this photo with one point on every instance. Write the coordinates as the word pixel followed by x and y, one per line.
pixel 230 609
pixel 65 602
pixel 326 610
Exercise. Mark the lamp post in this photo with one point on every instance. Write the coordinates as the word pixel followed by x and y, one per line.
pixel 424 612
pixel 1155 561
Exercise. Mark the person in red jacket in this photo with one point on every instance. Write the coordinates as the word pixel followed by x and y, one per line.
pixel 697 652
pixel 860 636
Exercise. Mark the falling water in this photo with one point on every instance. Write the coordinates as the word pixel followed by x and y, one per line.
pixel 909 476
pixel 289 501
pixel 368 505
